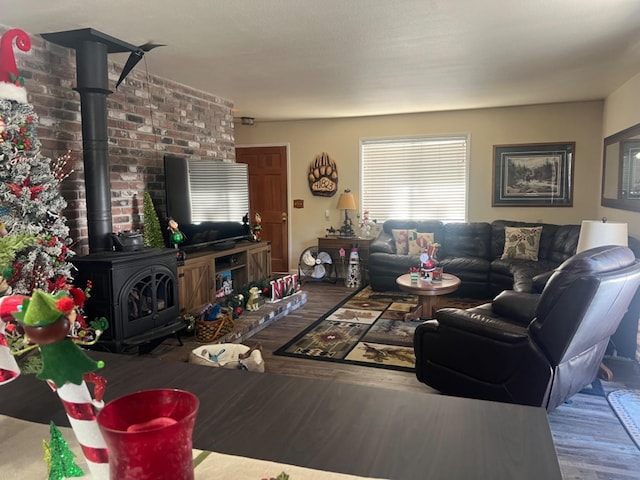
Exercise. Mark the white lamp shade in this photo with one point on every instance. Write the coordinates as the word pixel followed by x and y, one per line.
pixel 597 233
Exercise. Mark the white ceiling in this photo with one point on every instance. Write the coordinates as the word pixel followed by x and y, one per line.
pixel 294 59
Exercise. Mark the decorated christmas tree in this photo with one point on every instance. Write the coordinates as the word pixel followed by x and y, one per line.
pixel 152 232
pixel 43 315
pixel 30 199
pixel 59 457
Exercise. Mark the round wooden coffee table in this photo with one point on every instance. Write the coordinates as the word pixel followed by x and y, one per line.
pixel 427 293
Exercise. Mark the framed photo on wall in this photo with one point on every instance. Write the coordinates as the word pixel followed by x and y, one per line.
pixel 533 175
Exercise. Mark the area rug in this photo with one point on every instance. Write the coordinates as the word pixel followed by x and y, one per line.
pixel 367 328
pixel 626 405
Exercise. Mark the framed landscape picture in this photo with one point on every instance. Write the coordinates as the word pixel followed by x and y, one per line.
pixel 533 175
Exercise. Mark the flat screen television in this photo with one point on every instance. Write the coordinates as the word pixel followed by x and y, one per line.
pixel 209 199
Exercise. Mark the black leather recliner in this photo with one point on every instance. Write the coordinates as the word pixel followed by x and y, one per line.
pixel 528 348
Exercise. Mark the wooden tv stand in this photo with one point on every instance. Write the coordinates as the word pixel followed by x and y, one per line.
pixel 246 262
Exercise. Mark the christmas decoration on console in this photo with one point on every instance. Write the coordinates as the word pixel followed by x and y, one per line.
pixel 152 232
pixel 31 203
pixel 176 237
pixel 256 229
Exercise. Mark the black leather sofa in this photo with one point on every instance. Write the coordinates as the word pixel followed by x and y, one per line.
pixel 472 251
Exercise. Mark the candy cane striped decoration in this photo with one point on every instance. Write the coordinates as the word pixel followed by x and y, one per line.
pixel 8 366
pixel 79 406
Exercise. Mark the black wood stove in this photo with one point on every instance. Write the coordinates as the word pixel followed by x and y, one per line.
pixel 136 291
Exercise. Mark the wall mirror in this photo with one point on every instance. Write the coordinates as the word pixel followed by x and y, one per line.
pixel 621 170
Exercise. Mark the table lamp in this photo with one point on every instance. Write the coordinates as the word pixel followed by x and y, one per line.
pixel 347 202
pixel 596 233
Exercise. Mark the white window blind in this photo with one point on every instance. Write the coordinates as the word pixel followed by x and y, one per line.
pixel 415 178
pixel 219 191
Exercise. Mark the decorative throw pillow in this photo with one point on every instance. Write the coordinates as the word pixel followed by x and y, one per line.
pixel 521 242
pixel 418 241
pixel 401 237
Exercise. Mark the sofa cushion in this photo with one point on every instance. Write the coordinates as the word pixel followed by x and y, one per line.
pixel 521 243
pixel 401 237
pixel 498 237
pixel 465 240
pixel 454 265
pixel 418 241
pixel 564 243
pixel 520 271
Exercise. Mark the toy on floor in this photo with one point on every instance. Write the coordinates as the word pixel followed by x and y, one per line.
pixel 229 355
pixel 215 357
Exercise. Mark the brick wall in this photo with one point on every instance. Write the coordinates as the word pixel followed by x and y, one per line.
pixel 147 117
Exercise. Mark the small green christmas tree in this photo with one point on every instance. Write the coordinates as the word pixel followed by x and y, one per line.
pixel 59 457
pixel 152 232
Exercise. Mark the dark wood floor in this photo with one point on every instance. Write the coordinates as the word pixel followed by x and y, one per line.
pixel 590 441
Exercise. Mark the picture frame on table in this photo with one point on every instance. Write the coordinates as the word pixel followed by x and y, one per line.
pixel 533 175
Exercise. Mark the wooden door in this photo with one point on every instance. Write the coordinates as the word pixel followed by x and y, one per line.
pixel 268 197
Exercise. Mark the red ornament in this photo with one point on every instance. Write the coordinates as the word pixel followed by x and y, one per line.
pixel 10 304
pixel 65 305
pixel 78 296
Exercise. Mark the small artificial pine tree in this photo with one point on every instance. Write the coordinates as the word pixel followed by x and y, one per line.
pixel 30 200
pixel 152 232
pixel 59 457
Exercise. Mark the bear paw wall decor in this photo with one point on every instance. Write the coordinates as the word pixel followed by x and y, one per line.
pixel 323 176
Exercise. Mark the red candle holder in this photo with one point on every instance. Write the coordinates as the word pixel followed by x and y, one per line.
pixel 149 434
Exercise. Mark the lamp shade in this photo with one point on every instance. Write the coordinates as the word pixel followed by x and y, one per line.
pixel 596 233
pixel 346 202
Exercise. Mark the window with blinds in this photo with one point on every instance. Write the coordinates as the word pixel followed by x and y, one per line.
pixel 415 178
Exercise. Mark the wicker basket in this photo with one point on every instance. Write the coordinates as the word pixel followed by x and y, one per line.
pixel 208 331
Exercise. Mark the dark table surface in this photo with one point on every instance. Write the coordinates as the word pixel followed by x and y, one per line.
pixel 326 425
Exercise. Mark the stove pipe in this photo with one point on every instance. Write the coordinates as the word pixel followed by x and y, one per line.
pixel 92 48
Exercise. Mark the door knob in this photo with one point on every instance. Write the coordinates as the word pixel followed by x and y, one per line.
pixel 284 216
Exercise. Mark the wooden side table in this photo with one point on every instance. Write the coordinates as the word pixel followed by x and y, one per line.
pixel 427 293
pixel 332 246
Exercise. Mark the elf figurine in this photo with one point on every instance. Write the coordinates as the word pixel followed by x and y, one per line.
pixel 176 236
pixel 46 320
pixel 257 227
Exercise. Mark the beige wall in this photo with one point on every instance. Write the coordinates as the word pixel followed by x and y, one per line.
pixel 580 122
pixel 622 110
